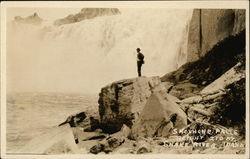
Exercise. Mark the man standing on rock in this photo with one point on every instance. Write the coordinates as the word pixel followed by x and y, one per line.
pixel 140 61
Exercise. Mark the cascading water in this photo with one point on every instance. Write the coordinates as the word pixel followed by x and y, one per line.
pixel 85 56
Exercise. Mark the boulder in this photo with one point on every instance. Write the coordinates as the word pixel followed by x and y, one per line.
pixel 121 101
pixel 123 133
pixel 97 149
pixel 93 124
pixel 74 120
pixel 143 147
pixel 159 116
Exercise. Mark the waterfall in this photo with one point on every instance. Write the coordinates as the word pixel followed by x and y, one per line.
pixel 85 56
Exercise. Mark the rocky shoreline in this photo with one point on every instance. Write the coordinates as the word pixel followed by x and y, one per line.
pixel 153 121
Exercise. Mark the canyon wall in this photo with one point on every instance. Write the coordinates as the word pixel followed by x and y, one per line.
pixel 210 26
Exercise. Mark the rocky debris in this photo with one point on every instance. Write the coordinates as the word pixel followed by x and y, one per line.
pixel 204 106
pixel 87 13
pixel 107 145
pixel 210 26
pixel 33 19
pixel 159 116
pixel 226 79
pixel 143 147
pixel 121 101
pixel 97 149
pixel 185 89
pixel 74 120
pixel 192 77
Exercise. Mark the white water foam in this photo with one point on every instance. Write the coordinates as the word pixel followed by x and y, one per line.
pixel 87 55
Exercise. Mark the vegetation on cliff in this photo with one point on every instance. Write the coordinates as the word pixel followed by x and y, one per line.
pixel 217 61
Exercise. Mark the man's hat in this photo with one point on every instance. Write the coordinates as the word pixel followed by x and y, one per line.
pixel 138 49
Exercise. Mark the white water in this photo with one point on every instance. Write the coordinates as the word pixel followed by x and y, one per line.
pixel 85 56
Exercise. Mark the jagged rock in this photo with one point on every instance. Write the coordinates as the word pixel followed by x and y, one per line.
pixel 97 149
pixel 123 133
pixel 107 145
pixel 114 142
pixel 93 124
pixel 33 19
pixel 74 120
pixel 159 116
pixel 143 147
pixel 120 101
pixel 87 13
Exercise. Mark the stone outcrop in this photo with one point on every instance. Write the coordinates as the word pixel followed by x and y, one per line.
pixel 74 120
pixel 210 26
pixel 33 19
pixel 121 101
pixel 87 13
pixel 159 116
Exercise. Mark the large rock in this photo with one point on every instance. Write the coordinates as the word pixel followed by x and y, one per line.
pixel 210 26
pixel 120 102
pixel 159 116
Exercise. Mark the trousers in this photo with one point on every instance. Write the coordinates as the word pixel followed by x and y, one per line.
pixel 139 65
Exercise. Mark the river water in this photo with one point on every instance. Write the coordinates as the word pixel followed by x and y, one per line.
pixel 31 114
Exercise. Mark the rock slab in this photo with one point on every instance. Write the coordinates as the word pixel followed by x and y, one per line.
pixel 120 102
pixel 159 116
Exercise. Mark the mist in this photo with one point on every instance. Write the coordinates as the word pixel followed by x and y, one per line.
pixel 85 56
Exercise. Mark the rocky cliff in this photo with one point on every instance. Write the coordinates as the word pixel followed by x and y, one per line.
pixel 87 13
pixel 33 19
pixel 210 26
